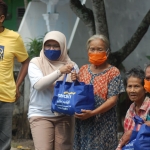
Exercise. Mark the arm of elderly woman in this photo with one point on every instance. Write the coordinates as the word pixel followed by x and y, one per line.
pixel 124 139
pixel 111 102
pixel 126 136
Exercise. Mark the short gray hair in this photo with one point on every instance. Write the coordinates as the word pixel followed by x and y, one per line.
pixel 100 37
pixel 135 72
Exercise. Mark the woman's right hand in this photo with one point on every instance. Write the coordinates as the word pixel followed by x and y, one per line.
pixel 66 68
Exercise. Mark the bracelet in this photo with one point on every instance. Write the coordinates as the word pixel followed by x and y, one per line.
pixel 59 73
pixel 120 140
pixel 119 145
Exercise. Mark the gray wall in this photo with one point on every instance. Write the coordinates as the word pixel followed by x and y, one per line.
pixel 123 17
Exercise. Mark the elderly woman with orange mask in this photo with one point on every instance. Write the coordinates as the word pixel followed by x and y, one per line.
pixel 97 129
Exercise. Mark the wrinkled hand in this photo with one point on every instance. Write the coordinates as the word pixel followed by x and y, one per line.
pixel 124 139
pixel 84 115
pixel 66 68
pixel 73 75
pixel 118 148
pixel 17 93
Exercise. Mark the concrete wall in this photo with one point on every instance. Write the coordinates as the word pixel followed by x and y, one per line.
pixel 123 19
pixel 33 25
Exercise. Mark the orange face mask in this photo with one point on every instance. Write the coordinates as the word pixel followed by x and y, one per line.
pixel 147 85
pixel 97 58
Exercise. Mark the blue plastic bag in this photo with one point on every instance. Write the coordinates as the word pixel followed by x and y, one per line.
pixel 71 97
pixel 143 138
pixel 130 145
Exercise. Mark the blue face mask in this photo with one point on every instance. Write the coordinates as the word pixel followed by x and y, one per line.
pixel 52 54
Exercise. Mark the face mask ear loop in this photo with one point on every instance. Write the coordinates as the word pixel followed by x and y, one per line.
pixel 108 52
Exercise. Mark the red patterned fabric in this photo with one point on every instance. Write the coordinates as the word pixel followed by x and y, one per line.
pixel 143 111
pixel 100 131
pixel 101 81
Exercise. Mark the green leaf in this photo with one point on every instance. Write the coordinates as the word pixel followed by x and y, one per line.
pixel 148 57
pixel 34 47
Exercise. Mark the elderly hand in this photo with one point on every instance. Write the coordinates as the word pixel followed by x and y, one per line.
pixel 73 75
pixel 118 148
pixel 124 139
pixel 84 115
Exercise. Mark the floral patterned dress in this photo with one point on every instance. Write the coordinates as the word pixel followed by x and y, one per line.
pixel 99 132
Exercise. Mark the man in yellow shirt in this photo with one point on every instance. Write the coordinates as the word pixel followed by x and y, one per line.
pixel 11 46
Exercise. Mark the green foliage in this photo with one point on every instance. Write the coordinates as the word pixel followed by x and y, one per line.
pixel 34 47
pixel 148 57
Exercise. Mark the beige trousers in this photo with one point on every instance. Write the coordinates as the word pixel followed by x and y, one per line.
pixel 52 133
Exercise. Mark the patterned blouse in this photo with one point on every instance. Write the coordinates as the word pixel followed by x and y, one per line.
pixel 99 132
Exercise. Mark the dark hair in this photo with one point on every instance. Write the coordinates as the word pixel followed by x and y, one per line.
pixel 3 8
pixel 135 72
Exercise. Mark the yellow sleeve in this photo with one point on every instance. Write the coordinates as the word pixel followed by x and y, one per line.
pixel 20 50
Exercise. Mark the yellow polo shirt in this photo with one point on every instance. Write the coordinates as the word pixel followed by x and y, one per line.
pixel 11 46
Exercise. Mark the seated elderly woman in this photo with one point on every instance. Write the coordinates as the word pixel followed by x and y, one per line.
pixel 134 83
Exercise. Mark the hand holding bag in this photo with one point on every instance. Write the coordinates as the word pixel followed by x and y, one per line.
pixel 143 138
pixel 130 145
pixel 71 97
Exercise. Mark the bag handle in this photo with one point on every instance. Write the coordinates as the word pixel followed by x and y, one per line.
pixel 75 82
pixel 64 80
pixel 137 121
pixel 65 77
